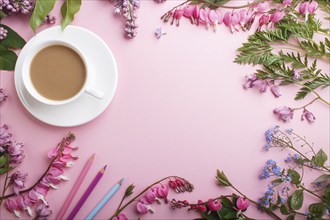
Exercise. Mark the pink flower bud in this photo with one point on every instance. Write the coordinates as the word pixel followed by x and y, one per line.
pixel 242 203
pixel 312 7
pixel 286 3
pixel 277 16
pixel 200 207
pixel 195 12
pixel 309 116
pixel 303 9
pixel 214 205
pixel 188 11
pixel 172 184
pixel 264 19
pixel 178 14
pixel 220 16
pixel 162 191
pixel 235 18
pixel 213 17
pixel 121 216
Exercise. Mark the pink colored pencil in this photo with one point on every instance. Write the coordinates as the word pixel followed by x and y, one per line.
pixel 88 191
pixel 75 187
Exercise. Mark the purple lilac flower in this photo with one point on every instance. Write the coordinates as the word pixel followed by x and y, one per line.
pixel 43 212
pixel 284 113
pixel 3 96
pixel 49 20
pixel 3 35
pixel 261 84
pixel 18 180
pixel 275 90
pixel 288 159
pixel 127 8
pixel 308 116
pixel 4 135
pixel 249 81
pixel 16 152
pixel 16 6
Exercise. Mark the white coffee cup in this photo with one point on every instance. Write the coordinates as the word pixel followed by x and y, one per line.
pixel 32 90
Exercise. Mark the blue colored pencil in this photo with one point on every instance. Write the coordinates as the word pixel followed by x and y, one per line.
pixel 105 199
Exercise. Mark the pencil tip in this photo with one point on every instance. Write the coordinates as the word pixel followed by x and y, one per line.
pixel 92 157
pixel 122 181
pixel 105 167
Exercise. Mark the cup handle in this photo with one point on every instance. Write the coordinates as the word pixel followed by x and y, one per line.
pixel 94 92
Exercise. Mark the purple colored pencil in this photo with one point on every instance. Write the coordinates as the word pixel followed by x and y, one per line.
pixel 88 191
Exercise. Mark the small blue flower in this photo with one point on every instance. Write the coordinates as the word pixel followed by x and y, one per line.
pixel 288 159
pixel 289 131
pixel 283 200
pixel 318 184
pixel 277 170
pixel 271 162
pixel 276 129
pixel 296 156
pixel 266 147
pixel 285 190
pixel 268 136
pixel 307 213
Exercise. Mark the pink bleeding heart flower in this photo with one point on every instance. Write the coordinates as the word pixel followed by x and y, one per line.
pixel 173 185
pixel 200 207
pixel 309 116
pixel 220 16
pixel 284 113
pixel 231 20
pixel 196 14
pixel 121 216
pixel 177 15
pixel 235 18
pixel 275 90
pixel 264 19
pixel 227 18
pixel 54 171
pixel 38 194
pixel 188 13
pixel 213 18
pixel 303 9
pixel 286 3
pixel 204 17
pixel 214 204
pixel 277 16
pixel 12 206
pixel 143 208
pixel 162 192
pixel 150 196
pixel 312 7
pixel 18 179
pixel 43 212
pixel 246 19
pixel 242 203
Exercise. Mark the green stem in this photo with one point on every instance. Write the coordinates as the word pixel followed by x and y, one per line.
pixel 303 107
pixel 312 193
pixel 5 187
pixel 231 7
pixel 315 93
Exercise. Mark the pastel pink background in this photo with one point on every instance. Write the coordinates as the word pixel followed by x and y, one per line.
pixel 179 110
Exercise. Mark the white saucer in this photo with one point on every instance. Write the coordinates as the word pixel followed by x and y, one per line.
pixel 104 78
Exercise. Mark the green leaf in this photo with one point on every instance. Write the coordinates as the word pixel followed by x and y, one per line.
pixel 4 159
pixel 13 40
pixel 222 179
pixel 212 216
pixel 129 190
pixel 7 59
pixel 41 9
pixel 227 213
pixel 322 81
pixel 284 210
pixel 322 178
pixel 291 217
pixel 320 158
pixel 5 169
pixel 2 15
pixel 317 209
pixel 226 202
pixel 327 194
pixel 68 11
pixel 296 199
pixel 295 176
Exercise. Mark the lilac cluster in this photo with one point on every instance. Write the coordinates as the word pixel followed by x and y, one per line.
pixel 3 35
pixel 16 6
pixel 127 8
pixel 3 95
pixel 49 20
pixel 286 113
pixel 14 150
pixel 254 81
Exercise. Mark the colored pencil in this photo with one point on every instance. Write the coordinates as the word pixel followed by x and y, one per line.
pixel 105 199
pixel 75 187
pixel 88 191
